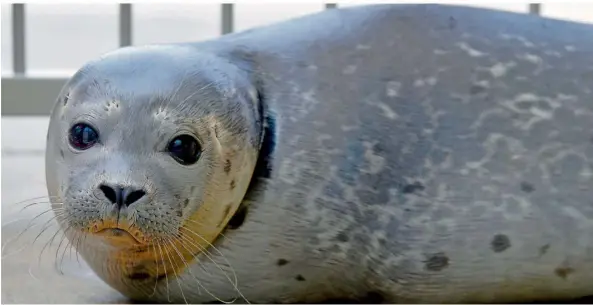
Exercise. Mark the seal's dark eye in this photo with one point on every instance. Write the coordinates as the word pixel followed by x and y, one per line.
pixel 185 149
pixel 82 136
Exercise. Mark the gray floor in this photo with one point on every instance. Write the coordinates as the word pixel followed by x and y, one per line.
pixel 26 278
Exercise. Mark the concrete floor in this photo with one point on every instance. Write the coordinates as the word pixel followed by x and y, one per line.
pixel 27 275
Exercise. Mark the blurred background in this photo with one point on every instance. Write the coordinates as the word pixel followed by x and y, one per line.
pixel 43 44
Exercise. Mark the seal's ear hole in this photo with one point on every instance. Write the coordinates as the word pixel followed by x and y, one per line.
pixel 238 219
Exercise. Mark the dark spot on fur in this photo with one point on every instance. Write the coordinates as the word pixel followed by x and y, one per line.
pixel 527 187
pixel 185 202
pixel 233 184
pixel 500 242
pixel 452 23
pixel 62 153
pixel 216 131
pixel 281 262
pixel 227 210
pixel 66 99
pixel 563 272
pixel 343 237
pixel 436 262
pixel 341 301
pixel 227 166
pixel 238 219
pixel 544 249
pixel 140 250
pixel 300 278
pixel 373 297
pixel 476 89
pixel 139 276
pixel 412 188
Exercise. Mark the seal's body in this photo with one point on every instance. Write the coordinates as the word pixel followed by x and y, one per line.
pixel 407 153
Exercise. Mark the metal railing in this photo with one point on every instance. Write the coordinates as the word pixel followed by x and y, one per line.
pixel 28 95
pixel 23 94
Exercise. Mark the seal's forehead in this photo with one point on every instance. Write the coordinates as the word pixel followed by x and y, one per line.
pixel 152 73
pixel 140 72
pixel 160 82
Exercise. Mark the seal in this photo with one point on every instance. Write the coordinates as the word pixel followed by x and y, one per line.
pixel 383 153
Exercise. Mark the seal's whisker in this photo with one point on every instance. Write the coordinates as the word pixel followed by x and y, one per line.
pixel 196 92
pixel 65 237
pixel 59 245
pixel 83 244
pixel 208 255
pixel 30 270
pixel 76 246
pixel 156 278
pixel 213 247
pixel 32 204
pixel 34 198
pixel 174 94
pixel 199 283
pixel 228 238
pixel 201 250
pixel 190 250
pixel 175 272
pixel 14 239
pixel 81 239
pixel 165 267
pixel 187 266
pixel 32 219
pixel 48 222
pixel 30 224
pixel 71 243
pixel 49 242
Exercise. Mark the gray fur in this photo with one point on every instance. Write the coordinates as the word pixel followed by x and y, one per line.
pixel 424 153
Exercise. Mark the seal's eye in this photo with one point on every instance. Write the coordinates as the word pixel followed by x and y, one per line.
pixel 185 149
pixel 82 136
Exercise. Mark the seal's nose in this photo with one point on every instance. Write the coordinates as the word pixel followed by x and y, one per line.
pixel 122 196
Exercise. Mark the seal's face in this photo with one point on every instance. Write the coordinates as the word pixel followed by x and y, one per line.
pixel 150 154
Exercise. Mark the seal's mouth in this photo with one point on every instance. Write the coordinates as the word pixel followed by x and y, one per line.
pixel 117 236
pixel 117 233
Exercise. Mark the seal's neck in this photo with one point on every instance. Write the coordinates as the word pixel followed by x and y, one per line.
pixel 263 167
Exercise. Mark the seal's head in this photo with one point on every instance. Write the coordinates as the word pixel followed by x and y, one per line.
pixel 151 150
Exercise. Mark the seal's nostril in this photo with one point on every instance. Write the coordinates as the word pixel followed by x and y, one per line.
pixel 121 195
pixel 109 192
pixel 132 196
